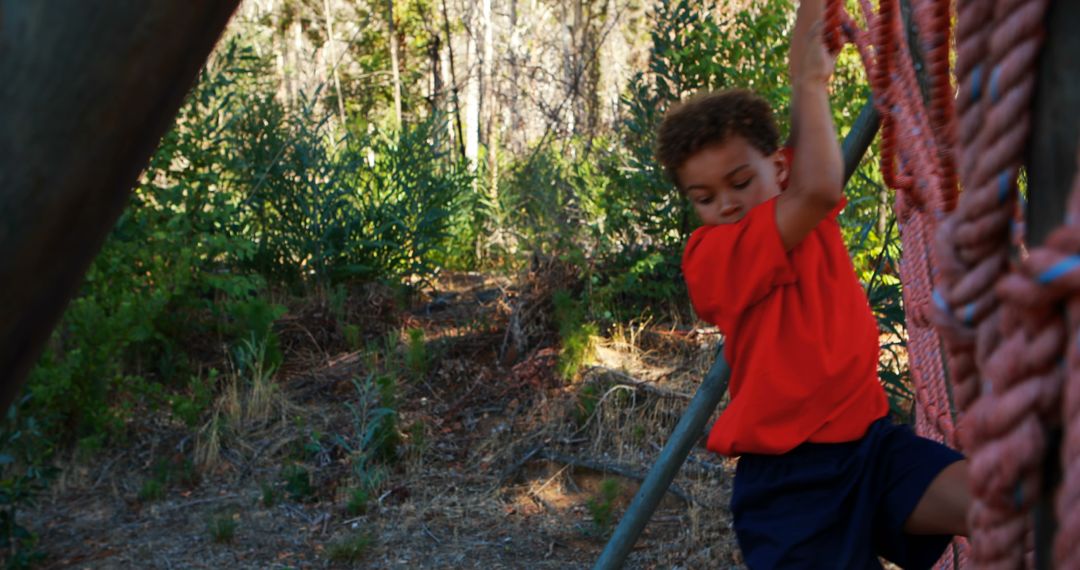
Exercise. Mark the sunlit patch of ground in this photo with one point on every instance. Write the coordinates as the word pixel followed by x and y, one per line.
pixel 502 465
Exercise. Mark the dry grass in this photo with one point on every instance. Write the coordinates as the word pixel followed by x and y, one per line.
pixel 497 464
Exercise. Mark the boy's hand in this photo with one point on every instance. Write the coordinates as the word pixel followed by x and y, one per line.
pixel 816 63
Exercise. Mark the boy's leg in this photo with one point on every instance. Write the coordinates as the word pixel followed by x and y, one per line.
pixel 943 507
pixel 918 474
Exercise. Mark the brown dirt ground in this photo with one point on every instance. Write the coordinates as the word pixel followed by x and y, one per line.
pixel 486 476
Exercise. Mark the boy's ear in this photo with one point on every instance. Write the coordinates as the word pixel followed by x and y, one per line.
pixel 782 162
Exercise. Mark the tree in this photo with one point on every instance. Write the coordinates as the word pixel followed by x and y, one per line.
pixel 94 97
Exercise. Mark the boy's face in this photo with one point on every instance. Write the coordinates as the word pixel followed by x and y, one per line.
pixel 726 180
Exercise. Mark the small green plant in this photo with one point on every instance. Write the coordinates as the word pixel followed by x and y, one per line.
pixel 587 399
pixel 337 299
pixel 189 407
pixel 416 353
pixel 576 335
pixel 358 501
pixel 153 489
pixel 269 494
pixel 298 483
pixel 602 506
pixel 418 441
pixel 24 474
pixel 251 390
pixel 351 548
pixel 383 438
pixel 352 336
pixel 222 528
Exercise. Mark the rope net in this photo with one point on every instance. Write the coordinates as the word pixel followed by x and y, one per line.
pixel 999 316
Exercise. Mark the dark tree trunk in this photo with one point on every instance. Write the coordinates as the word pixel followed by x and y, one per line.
pixel 86 91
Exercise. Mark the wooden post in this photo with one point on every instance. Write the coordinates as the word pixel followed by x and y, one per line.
pixel 708 396
pixel 1051 165
pixel 86 91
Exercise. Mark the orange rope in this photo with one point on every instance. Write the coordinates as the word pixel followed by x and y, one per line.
pixel 1010 327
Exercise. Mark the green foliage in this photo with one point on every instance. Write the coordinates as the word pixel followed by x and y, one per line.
pixel 352 336
pixel 639 283
pixel 886 300
pixel 418 439
pixel 24 475
pixel 297 482
pixel 601 507
pixel 242 194
pixel 358 501
pixel 189 407
pixel 177 470
pixel 352 548
pixel 222 528
pixel 588 397
pixel 152 490
pixel 416 352
pixel 382 438
pixel 375 438
pixel 268 494
pixel 576 334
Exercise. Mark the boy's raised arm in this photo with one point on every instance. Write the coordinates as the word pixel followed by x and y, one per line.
pixel 816 182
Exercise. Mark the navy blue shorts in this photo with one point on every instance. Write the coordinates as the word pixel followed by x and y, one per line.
pixel 839 505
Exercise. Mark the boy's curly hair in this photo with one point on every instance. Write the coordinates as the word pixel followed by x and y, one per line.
pixel 711 118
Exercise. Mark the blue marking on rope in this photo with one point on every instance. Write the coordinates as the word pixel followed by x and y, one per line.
pixel 1003 186
pixel 940 301
pixel 976 82
pixel 969 313
pixel 995 75
pixel 1059 269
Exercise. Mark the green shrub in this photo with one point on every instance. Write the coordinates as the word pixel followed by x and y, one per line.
pixel 222 528
pixel 297 482
pixel 576 334
pixel 601 507
pixel 153 489
pixel 25 473
pixel 352 548
pixel 268 494
pixel 189 407
pixel 416 353
pixel 588 397
pixel 358 501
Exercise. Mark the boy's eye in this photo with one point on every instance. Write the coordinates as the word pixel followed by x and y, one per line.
pixel 704 200
pixel 743 184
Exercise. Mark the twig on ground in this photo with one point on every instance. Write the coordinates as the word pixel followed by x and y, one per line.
pixel 517 465
pixel 597 373
pixel 197 502
pixel 603 467
pixel 428 532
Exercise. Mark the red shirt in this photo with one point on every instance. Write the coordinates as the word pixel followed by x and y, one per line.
pixel 800 336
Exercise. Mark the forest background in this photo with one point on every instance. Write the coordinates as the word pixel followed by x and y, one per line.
pixel 339 151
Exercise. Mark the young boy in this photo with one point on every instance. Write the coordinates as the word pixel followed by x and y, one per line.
pixel 824 479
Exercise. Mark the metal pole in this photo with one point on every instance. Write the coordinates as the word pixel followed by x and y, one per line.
pixel 667 465
pixel 707 397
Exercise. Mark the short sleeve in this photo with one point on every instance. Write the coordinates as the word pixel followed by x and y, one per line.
pixel 730 267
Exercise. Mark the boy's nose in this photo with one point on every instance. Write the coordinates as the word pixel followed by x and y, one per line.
pixel 729 210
